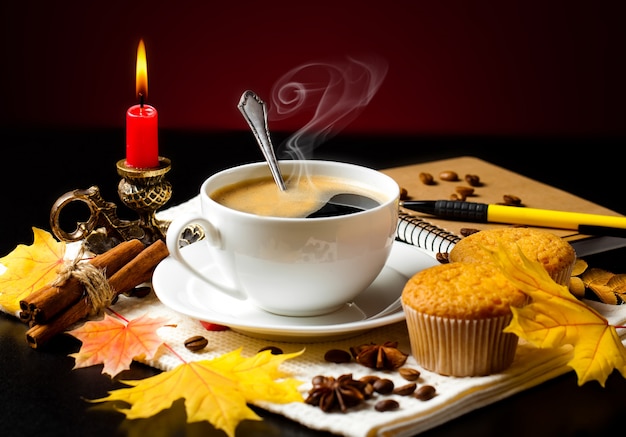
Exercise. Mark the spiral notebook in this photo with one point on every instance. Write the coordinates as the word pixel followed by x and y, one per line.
pixel 437 235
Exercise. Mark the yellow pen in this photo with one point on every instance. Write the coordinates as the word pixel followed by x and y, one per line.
pixel 591 224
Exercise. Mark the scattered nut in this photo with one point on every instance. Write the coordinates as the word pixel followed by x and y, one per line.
pixel 405 390
pixel 425 392
pixel 338 356
pixel 409 373
pixel 403 193
pixel 196 343
pixel 274 350
pixel 449 175
pixel 386 405
pixel 427 178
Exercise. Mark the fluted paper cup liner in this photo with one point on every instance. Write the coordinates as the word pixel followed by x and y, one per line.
pixel 457 347
pixel 563 276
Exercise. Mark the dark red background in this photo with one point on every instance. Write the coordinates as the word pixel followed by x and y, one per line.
pixel 454 67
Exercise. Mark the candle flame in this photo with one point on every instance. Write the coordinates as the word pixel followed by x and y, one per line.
pixel 141 84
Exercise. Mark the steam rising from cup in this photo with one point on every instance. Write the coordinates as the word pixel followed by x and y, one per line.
pixel 334 93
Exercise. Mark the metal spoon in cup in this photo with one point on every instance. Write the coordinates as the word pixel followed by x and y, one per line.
pixel 253 110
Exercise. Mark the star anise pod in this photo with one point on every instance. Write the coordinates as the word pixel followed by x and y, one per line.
pixel 341 393
pixel 384 356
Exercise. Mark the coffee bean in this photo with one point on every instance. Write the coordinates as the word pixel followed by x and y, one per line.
pixel 405 390
pixel 196 343
pixel 409 374
pixel 465 191
pixel 473 180
pixel 274 350
pixel 427 178
pixel 425 392
pixel 386 405
pixel 510 199
pixel 139 292
pixel 442 257
pixel 449 175
pixel 338 356
pixel 466 232
pixel 383 386
pixel 370 379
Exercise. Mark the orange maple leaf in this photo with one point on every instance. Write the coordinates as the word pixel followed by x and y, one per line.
pixel 555 317
pixel 115 343
pixel 217 390
pixel 29 268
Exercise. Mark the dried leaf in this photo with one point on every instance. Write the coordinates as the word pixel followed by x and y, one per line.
pixel 577 287
pixel 580 265
pixel 604 293
pixel 29 268
pixel 618 283
pixel 115 344
pixel 217 390
pixel 214 326
pixel 600 282
pixel 554 318
pixel 596 276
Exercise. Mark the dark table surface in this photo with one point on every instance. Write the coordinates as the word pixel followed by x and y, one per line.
pixel 41 395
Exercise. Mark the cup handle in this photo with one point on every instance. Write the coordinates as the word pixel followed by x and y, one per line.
pixel 173 235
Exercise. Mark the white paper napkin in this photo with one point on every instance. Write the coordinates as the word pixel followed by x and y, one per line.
pixel 455 396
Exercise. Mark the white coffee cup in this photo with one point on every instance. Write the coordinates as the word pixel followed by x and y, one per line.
pixel 293 266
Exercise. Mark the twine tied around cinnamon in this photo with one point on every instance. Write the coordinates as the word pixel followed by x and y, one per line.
pixel 93 279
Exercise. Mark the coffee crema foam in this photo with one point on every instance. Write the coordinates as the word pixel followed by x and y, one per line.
pixel 302 197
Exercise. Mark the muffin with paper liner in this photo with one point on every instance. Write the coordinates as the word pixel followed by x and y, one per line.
pixel 456 314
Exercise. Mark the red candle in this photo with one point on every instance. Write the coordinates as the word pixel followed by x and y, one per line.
pixel 142 144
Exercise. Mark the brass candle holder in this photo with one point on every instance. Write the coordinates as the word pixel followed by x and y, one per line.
pixel 143 190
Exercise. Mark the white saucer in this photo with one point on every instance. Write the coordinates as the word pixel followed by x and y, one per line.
pixel 182 291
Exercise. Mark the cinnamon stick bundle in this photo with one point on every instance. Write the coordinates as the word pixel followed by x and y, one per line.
pixel 45 303
pixel 135 272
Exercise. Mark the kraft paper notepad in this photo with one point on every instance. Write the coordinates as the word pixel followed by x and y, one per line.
pixel 439 235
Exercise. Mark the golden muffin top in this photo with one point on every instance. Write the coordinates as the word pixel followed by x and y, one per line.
pixel 462 290
pixel 554 253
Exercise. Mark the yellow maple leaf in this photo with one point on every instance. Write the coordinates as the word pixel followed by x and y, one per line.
pixel 554 317
pixel 115 344
pixel 216 391
pixel 29 268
